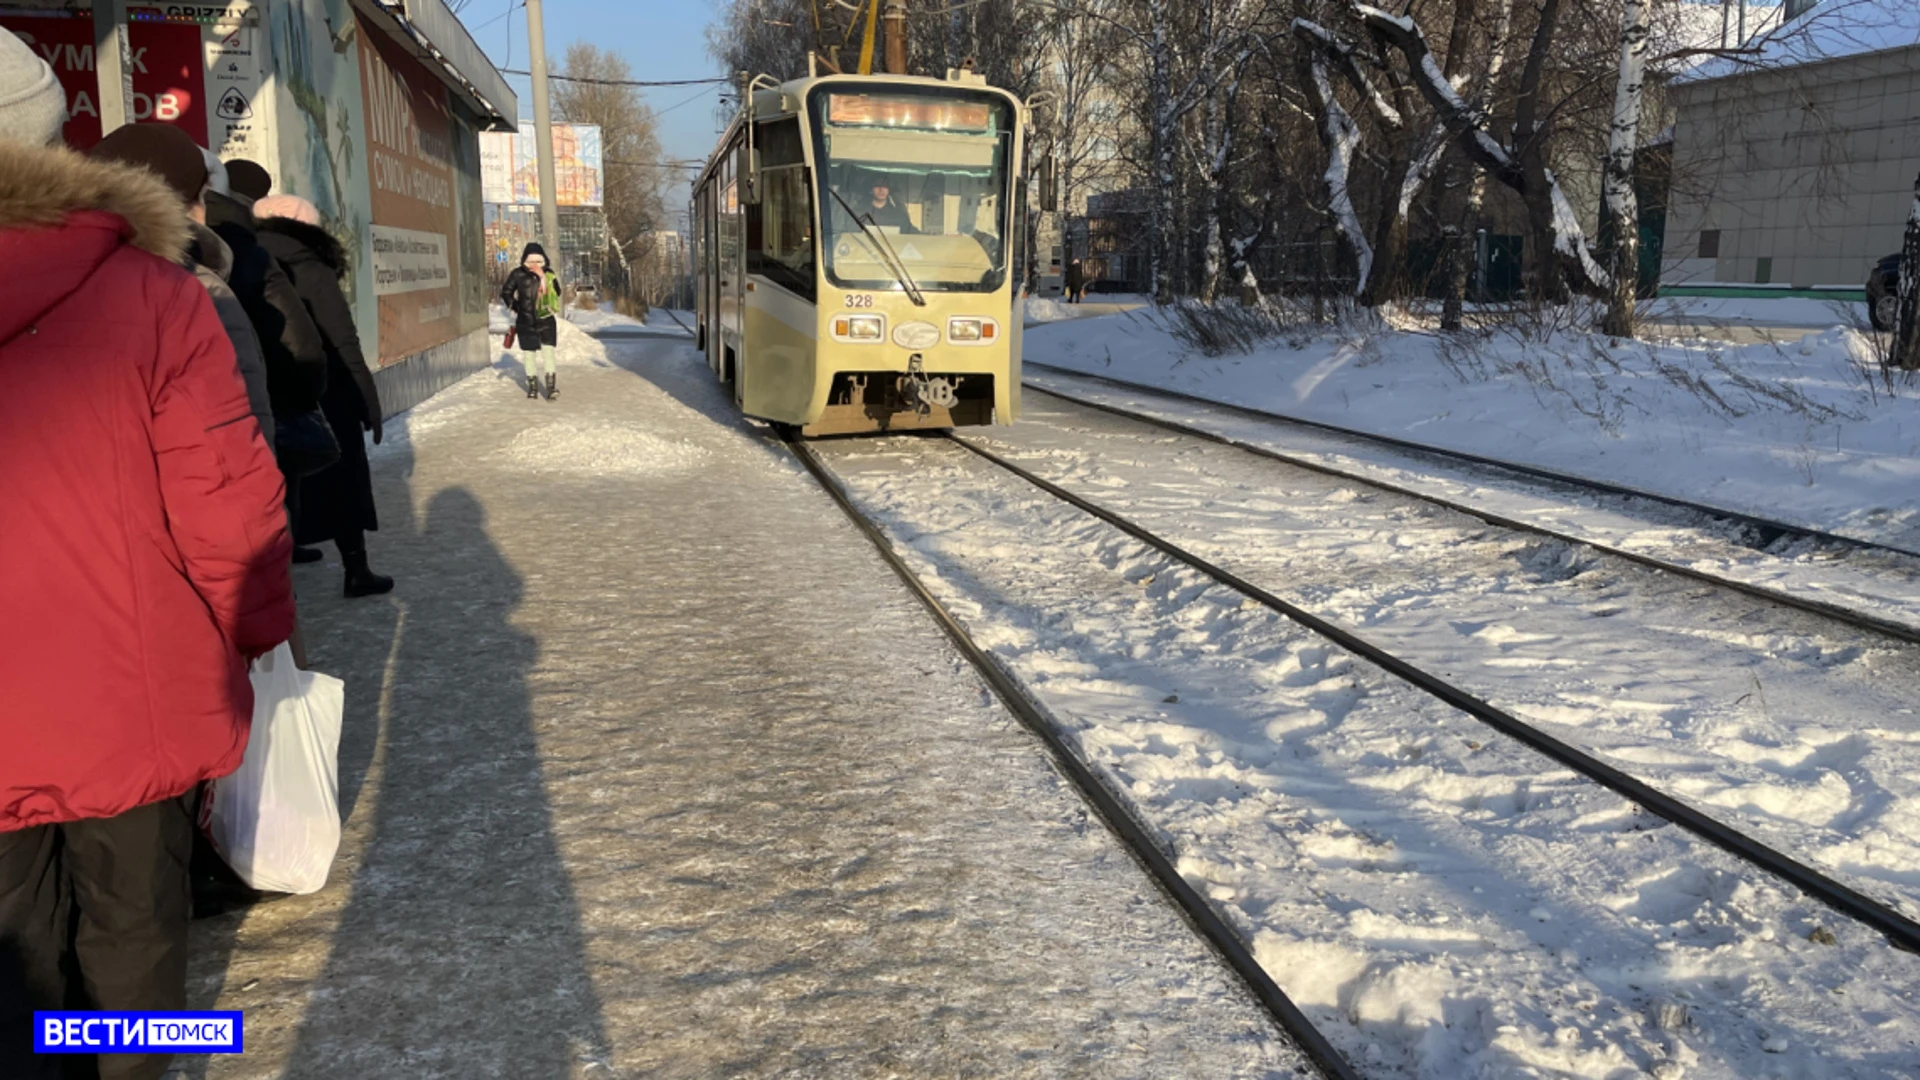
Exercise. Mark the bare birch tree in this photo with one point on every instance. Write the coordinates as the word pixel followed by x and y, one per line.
pixel 1619 202
pixel 1905 353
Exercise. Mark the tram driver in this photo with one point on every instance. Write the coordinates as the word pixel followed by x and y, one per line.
pixel 876 206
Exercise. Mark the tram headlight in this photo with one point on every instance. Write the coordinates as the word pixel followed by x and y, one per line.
pixel 859 328
pixel 971 331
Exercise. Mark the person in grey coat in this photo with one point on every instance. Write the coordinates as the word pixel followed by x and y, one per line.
pixel 211 261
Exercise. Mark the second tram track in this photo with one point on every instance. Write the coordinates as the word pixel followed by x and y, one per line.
pixel 1899 929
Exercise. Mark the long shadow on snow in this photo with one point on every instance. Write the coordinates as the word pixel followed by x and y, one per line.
pixel 459 950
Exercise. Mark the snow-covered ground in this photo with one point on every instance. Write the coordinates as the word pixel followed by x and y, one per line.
pixel 1802 432
pixel 1442 901
pixel 652 769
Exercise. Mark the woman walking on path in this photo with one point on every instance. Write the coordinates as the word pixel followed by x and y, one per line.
pixel 532 296
pixel 336 503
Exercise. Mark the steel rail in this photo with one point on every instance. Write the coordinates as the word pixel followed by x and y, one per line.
pixel 1900 930
pixel 1768 529
pixel 1859 620
pixel 1199 913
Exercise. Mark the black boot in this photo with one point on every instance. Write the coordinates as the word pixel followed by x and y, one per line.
pixel 533 386
pixel 552 391
pixel 308 554
pixel 360 580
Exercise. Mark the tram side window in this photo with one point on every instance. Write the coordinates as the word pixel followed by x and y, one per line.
pixel 782 244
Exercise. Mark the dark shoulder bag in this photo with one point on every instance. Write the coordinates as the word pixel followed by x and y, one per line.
pixel 304 442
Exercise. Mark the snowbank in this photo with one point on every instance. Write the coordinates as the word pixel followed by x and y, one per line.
pixel 1041 309
pixel 1785 311
pixel 600 318
pixel 1797 432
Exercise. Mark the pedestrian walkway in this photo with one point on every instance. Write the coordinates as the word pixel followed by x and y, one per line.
pixel 651 769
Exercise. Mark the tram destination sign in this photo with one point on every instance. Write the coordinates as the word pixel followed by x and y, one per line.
pixel 910 111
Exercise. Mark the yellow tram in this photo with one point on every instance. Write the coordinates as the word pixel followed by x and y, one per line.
pixel 858 253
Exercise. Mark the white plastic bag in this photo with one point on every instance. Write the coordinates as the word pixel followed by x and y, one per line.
pixel 276 819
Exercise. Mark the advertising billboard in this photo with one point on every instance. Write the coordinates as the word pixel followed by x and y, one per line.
pixel 410 167
pixel 192 66
pixel 510 169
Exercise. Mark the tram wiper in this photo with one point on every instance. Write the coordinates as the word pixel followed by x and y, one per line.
pixel 892 261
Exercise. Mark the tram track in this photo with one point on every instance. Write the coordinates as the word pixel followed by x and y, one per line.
pixel 1897 928
pixel 1844 616
pixel 1132 833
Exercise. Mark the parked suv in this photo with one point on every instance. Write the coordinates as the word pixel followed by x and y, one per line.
pixel 1883 292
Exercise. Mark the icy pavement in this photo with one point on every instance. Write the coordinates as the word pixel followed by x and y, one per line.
pixel 652 769
pixel 1442 902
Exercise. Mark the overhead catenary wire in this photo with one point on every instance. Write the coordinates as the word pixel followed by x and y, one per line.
pixel 624 82
pixel 694 166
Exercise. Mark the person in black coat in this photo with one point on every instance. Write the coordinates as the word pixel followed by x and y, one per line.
pixel 531 294
pixel 294 350
pixel 337 503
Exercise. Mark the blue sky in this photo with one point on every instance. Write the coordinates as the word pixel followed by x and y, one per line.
pixel 660 39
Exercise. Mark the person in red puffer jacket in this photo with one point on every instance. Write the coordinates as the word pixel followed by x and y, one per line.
pixel 143 564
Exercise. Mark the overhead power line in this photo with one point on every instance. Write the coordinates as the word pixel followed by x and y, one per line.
pixel 624 82
pixel 693 165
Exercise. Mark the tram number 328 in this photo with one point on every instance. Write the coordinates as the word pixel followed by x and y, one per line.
pixel 859 300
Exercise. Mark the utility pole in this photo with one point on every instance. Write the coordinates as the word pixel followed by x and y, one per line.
pixel 110 64
pixel 895 16
pixel 543 135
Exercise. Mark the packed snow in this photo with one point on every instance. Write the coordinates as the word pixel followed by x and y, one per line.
pixel 1805 433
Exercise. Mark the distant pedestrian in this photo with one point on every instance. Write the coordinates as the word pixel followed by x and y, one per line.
pixel 143 562
pixel 532 295
pixel 1074 279
pixel 337 503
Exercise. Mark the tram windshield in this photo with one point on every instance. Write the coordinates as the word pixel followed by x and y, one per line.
pixel 926 173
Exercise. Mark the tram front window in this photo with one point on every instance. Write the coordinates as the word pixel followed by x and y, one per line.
pixel 927 171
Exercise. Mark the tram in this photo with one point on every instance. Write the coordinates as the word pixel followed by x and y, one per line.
pixel 859 248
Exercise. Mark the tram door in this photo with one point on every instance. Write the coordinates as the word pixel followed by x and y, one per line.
pixel 733 271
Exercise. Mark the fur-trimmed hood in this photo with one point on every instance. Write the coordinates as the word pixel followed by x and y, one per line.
pixel 64 215
pixel 42 185
pixel 312 237
pixel 205 248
